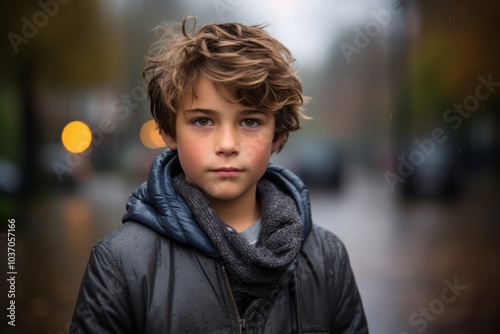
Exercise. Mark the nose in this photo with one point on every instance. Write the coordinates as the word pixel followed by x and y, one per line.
pixel 227 141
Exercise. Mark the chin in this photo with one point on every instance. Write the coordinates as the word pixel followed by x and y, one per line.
pixel 223 195
pixel 222 191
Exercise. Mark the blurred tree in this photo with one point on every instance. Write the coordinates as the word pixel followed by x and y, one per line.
pixel 52 43
pixel 455 44
pixel 47 45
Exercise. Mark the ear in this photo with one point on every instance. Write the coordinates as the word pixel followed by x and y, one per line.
pixel 277 143
pixel 169 140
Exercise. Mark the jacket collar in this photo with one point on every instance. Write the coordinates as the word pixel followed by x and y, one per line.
pixel 156 204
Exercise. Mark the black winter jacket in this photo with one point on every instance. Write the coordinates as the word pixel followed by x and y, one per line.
pixel 159 273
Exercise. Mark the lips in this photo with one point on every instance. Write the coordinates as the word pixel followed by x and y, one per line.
pixel 227 171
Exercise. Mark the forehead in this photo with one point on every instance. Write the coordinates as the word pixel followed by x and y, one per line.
pixel 206 94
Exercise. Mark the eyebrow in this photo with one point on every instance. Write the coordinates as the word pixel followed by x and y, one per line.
pixel 245 112
pixel 201 111
pixel 249 112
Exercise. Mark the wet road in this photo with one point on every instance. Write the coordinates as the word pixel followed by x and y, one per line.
pixel 421 266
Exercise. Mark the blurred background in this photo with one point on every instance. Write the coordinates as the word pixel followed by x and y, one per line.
pixel 401 157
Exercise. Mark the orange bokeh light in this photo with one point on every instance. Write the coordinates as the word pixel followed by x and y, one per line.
pixel 76 137
pixel 150 135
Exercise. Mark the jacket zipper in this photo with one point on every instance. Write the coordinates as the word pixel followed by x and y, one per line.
pixel 241 322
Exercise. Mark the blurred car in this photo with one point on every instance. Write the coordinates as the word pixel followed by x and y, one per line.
pixel 437 176
pixel 316 160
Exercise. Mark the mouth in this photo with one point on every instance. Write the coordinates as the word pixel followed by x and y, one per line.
pixel 227 171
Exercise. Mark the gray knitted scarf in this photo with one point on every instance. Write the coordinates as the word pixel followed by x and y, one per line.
pixel 254 271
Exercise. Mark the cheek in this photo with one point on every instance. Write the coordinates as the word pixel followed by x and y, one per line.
pixel 259 150
pixel 190 155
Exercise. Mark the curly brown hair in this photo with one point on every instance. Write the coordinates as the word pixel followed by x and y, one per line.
pixel 246 64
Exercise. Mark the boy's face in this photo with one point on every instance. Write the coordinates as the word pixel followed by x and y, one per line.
pixel 224 148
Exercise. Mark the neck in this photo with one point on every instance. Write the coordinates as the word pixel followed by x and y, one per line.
pixel 239 213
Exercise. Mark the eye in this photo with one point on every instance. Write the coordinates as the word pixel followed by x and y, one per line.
pixel 250 122
pixel 202 122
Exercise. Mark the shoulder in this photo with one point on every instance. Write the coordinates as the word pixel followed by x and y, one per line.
pixel 325 267
pixel 134 244
pixel 325 255
pixel 130 241
pixel 130 234
pixel 325 251
pixel 326 241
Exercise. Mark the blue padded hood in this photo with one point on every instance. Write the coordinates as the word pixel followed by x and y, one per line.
pixel 156 204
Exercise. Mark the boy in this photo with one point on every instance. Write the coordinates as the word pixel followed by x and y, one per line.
pixel 218 240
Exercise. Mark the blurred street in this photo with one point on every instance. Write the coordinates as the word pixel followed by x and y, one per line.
pixel 401 253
